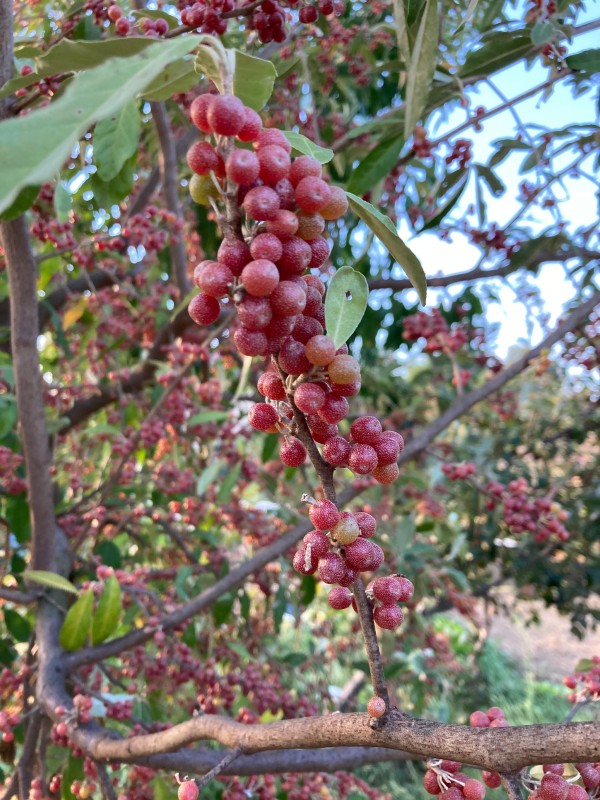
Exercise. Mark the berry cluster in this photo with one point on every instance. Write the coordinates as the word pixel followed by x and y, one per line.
pixel 443 777
pixel 338 549
pixel 432 326
pixel 524 514
pixel 553 786
pixel 458 472
pixel 585 684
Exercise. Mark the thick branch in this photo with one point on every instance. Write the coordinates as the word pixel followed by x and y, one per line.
pixel 168 169
pixel 28 383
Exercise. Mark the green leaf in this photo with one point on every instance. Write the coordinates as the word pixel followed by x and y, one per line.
pixel 209 59
pixel 229 482
pixel 156 14
pixel 106 193
pixel 69 56
pixel 467 17
pixel 543 32
pixel 21 204
pixel 253 79
pixel 269 446
pixel 494 184
pixel 51 580
pixel 108 612
pixel 375 166
pixel 116 140
pixel 422 67
pixel 18 627
pixel 76 627
pixel 504 148
pixel 303 145
pixel 109 553
pixel 401 31
pixel 498 52
pixel 586 61
pixel 178 77
pixel 33 148
pixel 449 204
pixel 385 231
pixel 345 304
pixel 585 665
pixel 207 477
pixel 223 607
pixel 207 416
pixel 62 201
pixel 71 773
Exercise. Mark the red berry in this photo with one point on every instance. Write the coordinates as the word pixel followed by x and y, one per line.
pixel 557 769
pixel 202 158
pixel 315 282
pixel 349 578
pixel 242 167
pixel 362 459
pixel 336 451
pixel 260 277
pixel 252 125
pixel 473 789
pixel 320 252
pixel 274 162
pixel 479 719
pixel 273 136
pixel 364 429
pixel 331 568
pixel 376 707
pixel 388 617
pixel 291 357
pixel 287 300
pixel 188 791
pixel 577 793
pixel 226 115
pixel 309 397
pixel 261 203
pixel 359 554
pixel 345 389
pixel 450 766
pixel 262 416
pixel 337 205
pixel 204 310
pixel 367 524
pixel 113 13
pixel 270 385
pixel 266 245
pixel 335 409
pixel 320 350
pixel 321 431
pixel 431 783
pixel 283 224
pixel 553 787
pixel 318 542
pixel 387 449
pixel 344 369
pixel 122 26
pixel 305 562
pixel 292 453
pixel 302 167
pixel 250 343
pixel 234 254
pixel 214 279
pixel 199 111
pixel 495 713
pixel 324 515
pixel 312 194
pixel 339 598
pixel 491 779
pixel 306 327
pixel 308 14
pixel 254 312
pixel 386 474
pixel 326 7
pixel 388 589
pixel 295 256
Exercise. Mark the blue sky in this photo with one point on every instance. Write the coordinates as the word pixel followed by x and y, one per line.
pixel 576 198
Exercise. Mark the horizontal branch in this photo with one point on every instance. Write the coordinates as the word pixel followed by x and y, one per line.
pixel 434 282
pixel 17 597
pixel 330 759
pixel 496 749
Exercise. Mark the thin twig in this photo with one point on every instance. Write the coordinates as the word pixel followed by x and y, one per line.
pixel 224 762
pixel 512 783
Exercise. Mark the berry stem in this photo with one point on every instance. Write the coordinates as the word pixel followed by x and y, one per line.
pixel 367 625
pixel 224 762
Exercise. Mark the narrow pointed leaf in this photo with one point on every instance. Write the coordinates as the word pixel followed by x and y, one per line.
pixel 345 304
pixel 116 140
pixel 108 613
pixel 375 166
pixel 76 627
pixel 51 580
pixel 304 145
pixel 422 67
pixel 385 231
